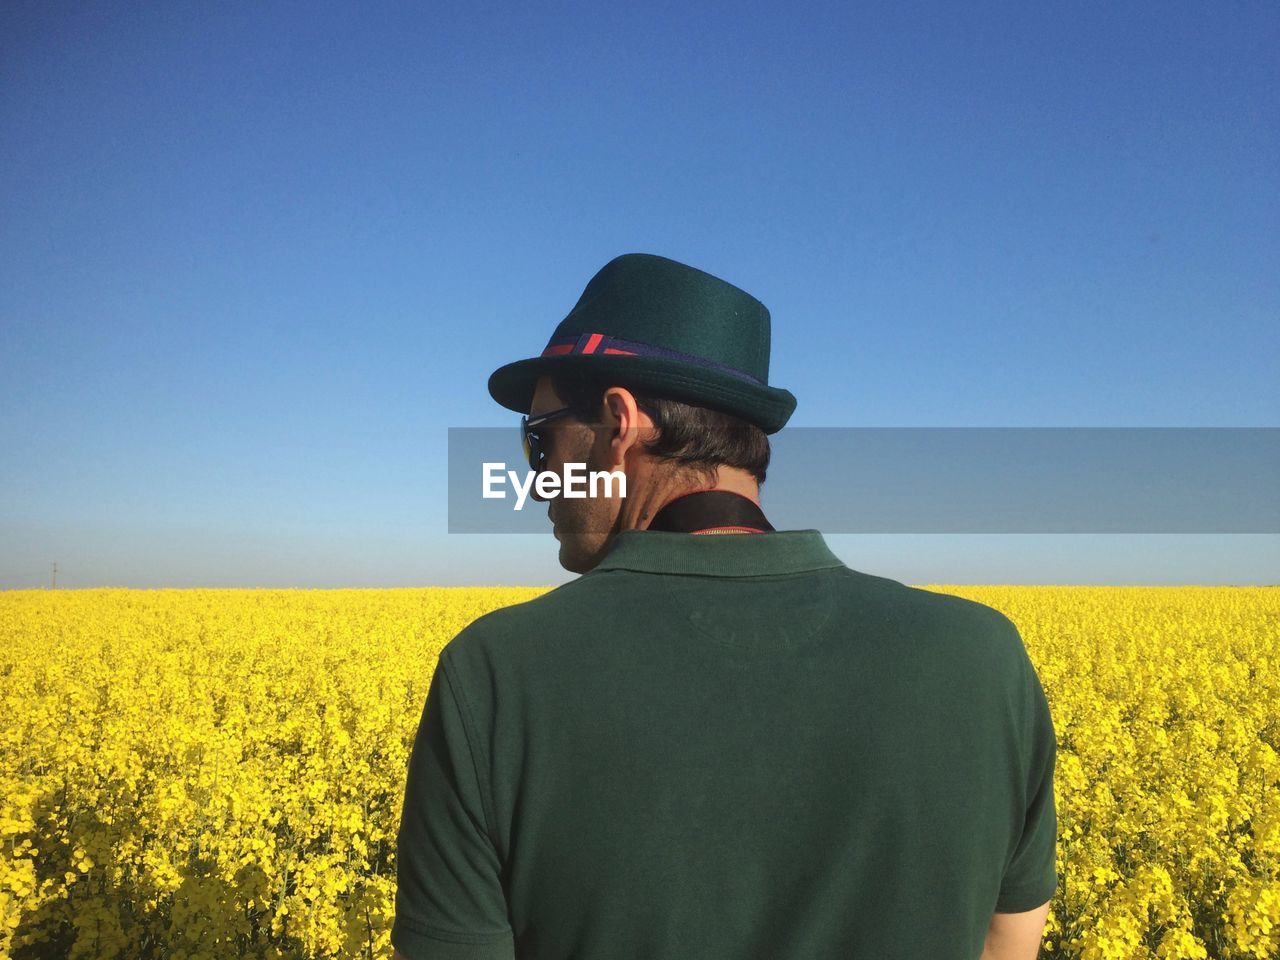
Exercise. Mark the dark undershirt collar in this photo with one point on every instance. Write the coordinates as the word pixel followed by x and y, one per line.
pixel 710 512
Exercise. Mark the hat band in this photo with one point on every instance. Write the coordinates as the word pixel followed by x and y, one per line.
pixel 598 344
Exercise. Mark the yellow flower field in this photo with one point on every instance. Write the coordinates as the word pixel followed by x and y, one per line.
pixel 218 773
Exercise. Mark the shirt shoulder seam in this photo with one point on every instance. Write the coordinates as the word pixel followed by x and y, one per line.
pixel 469 729
pixel 452 936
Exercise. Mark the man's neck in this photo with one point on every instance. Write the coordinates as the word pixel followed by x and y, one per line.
pixel 639 509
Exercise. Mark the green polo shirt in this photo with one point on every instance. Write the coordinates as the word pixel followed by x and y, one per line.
pixel 727 747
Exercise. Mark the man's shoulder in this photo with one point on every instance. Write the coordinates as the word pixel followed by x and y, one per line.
pixel 532 621
pixel 956 611
pixel 615 602
pixel 926 614
pixel 949 608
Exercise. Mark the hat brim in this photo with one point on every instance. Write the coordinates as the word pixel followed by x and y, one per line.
pixel 769 408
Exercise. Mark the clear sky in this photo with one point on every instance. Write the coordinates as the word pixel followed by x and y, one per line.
pixel 256 259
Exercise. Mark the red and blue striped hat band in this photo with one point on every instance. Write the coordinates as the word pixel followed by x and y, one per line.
pixel 600 344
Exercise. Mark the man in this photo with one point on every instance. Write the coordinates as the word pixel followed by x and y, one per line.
pixel 719 741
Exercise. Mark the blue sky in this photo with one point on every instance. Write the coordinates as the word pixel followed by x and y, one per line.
pixel 255 260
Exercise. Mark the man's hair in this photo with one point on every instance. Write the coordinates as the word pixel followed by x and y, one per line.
pixel 693 437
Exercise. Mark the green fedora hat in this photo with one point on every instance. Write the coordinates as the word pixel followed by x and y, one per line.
pixel 653 324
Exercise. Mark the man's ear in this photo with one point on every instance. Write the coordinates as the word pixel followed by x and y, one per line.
pixel 622 424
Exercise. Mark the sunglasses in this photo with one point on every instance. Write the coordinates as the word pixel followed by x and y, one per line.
pixel 531 436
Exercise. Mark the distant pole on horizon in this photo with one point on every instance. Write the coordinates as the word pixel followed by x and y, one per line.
pixel 55 574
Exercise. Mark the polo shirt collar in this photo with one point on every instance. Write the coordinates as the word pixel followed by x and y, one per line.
pixel 719 555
